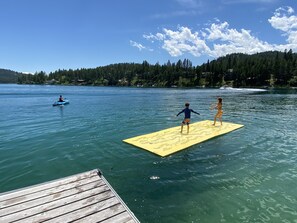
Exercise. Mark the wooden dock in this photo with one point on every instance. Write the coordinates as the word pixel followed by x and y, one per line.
pixel 85 197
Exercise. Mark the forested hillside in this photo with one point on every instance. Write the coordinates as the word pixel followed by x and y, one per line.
pixel 262 69
pixel 236 70
pixel 8 76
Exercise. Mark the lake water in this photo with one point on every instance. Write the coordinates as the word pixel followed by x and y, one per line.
pixel 249 175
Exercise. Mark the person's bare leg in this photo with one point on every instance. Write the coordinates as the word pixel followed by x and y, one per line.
pixel 214 121
pixel 181 128
pixel 188 128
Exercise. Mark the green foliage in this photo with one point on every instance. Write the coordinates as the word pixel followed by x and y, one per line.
pixel 261 69
pixel 37 78
pixel 293 81
pixel 271 68
pixel 8 76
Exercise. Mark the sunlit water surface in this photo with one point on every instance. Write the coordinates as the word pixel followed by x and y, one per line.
pixel 249 175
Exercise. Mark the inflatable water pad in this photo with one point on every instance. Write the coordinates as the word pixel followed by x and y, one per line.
pixel 168 141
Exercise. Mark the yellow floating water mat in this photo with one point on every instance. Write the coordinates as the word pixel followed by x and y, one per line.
pixel 168 141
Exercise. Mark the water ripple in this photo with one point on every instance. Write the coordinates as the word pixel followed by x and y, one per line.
pixel 248 175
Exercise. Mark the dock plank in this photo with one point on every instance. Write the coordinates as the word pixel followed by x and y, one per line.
pixel 85 197
pixel 83 213
pixel 64 205
pixel 104 214
pixel 39 198
pixel 123 217
pixel 45 186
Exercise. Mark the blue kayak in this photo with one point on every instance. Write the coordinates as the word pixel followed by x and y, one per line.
pixel 59 103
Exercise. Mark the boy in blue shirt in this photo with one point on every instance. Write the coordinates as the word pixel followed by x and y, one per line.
pixel 187 118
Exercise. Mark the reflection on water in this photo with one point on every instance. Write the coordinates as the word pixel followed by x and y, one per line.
pixel 245 176
pixel 61 108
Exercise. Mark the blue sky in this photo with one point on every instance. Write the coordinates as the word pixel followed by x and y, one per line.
pixel 47 35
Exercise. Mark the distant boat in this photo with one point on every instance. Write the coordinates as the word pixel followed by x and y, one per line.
pixel 61 103
pixel 225 87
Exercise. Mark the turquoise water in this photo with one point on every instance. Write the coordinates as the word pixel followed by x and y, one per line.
pixel 249 175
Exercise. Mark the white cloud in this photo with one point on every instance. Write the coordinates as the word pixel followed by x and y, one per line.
pixel 218 39
pixel 286 22
pixel 152 38
pixel 293 37
pixel 181 41
pixel 232 41
pixel 282 21
pixel 137 45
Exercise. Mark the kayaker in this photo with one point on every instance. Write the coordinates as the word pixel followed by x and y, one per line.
pixel 61 99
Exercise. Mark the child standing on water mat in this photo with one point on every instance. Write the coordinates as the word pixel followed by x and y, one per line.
pixel 187 118
pixel 219 114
